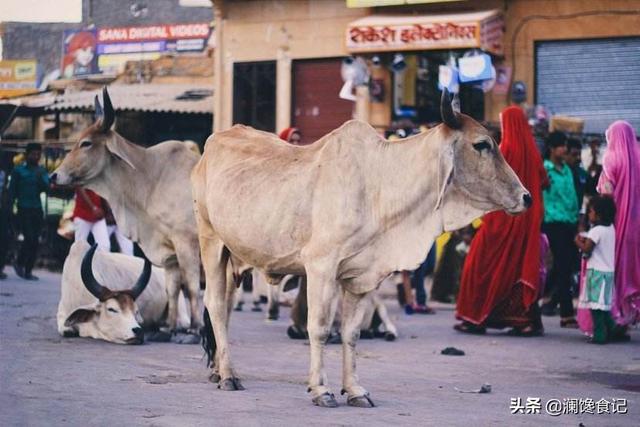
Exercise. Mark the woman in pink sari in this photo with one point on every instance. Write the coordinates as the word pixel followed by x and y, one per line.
pixel 621 179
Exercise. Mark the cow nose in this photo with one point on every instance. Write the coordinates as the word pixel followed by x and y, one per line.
pixel 139 333
pixel 53 178
pixel 528 201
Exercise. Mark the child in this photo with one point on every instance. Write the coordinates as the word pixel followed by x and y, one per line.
pixel 598 246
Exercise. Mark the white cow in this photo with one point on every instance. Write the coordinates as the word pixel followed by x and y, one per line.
pixel 97 299
pixel 347 210
pixel 148 190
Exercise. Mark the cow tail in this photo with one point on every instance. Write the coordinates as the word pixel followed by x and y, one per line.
pixel 208 339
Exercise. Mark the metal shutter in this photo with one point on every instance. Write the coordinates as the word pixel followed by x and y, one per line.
pixel 317 109
pixel 597 80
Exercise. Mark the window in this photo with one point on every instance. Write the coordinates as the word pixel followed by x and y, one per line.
pixel 254 94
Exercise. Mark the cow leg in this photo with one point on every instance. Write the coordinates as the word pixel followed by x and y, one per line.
pixel 322 291
pixel 189 261
pixel 274 290
pixel 173 283
pixel 391 333
pixel 354 307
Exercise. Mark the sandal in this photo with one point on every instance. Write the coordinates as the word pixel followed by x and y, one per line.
pixel 570 323
pixel 470 328
pixel 422 309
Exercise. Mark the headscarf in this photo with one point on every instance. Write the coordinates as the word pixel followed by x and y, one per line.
pixel 506 249
pixel 621 177
pixel 286 134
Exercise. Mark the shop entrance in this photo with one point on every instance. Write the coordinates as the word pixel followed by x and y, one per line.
pixel 597 80
pixel 317 109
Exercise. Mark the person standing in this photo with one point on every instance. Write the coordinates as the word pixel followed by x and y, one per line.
pixel 126 245
pixel 500 281
pixel 88 217
pixel 560 225
pixel 621 179
pixel 598 247
pixel 28 181
pixel 5 211
pixel 574 160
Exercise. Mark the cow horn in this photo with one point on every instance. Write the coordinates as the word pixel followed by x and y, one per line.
pixel 143 280
pixel 109 115
pixel 449 117
pixel 99 113
pixel 86 272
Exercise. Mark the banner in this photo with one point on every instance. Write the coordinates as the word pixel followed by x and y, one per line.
pixel 379 33
pixel 18 77
pixel 117 45
pixel 79 57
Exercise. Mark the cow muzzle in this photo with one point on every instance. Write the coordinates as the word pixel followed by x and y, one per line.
pixel 524 202
pixel 138 337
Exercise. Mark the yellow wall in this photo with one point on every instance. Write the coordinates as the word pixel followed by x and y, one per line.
pixel 283 30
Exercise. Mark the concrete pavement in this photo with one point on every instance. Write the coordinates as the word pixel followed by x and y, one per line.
pixel 47 380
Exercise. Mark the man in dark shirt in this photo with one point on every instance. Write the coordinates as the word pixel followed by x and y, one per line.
pixel 28 180
pixel 574 160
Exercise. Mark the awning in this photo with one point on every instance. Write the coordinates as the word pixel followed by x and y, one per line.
pixel 151 97
pixel 381 33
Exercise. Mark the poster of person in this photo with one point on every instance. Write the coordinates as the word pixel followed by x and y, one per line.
pixel 79 53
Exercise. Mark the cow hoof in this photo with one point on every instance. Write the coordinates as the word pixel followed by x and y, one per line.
pixel 360 401
pixel 214 377
pixel 272 317
pixel 230 384
pixel 390 336
pixel 366 334
pixel 158 336
pixel 180 338
pixel 325 400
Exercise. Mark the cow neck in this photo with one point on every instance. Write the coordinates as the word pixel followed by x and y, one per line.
pixel 408 176
pixel 123 183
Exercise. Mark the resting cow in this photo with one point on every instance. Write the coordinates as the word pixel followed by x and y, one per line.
pixel 99 299
pixel 148 190
pixel 347 210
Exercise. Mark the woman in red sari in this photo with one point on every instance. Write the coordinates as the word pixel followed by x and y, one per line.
pixel 501 276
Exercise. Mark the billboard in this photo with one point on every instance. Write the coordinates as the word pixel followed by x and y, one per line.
pixel 79 53
pixel 117 45
pixel 18 77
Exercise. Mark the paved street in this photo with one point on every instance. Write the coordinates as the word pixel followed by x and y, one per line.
pixel 48 380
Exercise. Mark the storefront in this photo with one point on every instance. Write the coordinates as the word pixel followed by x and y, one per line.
pixel 424 53
pixel 405 47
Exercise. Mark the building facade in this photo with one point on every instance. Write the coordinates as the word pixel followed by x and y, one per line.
pixel 279 63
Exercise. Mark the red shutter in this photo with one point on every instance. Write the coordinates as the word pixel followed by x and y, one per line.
pixel 317 109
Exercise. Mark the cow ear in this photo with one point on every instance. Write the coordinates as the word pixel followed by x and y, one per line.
pixel 118 149
pixel 81 315
pixel 445 173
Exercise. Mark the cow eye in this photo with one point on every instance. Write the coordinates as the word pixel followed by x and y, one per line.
pixel 113 310
pixel 85 143
pixel 482 146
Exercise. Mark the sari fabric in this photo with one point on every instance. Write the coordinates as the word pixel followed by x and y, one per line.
pixel 501 276
pixel 621 178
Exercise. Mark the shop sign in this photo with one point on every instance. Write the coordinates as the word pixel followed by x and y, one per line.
pixel 475 68
pixel 116 45
pixel 390 33
pixel 18 77
pixel 79 53
pixel 153 32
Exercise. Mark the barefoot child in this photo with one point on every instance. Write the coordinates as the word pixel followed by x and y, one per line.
pixel 598 246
